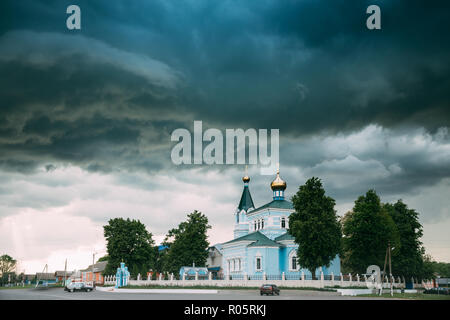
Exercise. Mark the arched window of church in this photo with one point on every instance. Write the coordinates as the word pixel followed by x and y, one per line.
pixel 259 224
pixel 283 223
pixel 239 260
pixel 262 224
pixel 293 261
pixel 255 225
pixel 237 218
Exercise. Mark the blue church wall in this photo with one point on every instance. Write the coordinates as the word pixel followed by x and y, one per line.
pixel 269 260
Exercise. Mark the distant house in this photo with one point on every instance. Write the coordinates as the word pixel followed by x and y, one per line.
pixel 60 275
pixel 214 260
pixel 29 278
pixel 46 277
pixel 94 273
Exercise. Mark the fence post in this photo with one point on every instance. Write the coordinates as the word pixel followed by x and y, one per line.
pixel 303 278
pixel 264 276
pixel 342 279
pixel 184 277
pixel 332 279
pixel 350 277
pixel 210 276
pixel 357 277
pixel 283 277
pixel 245 276
pixel 196 275
pixel 171 276
pixel 321 279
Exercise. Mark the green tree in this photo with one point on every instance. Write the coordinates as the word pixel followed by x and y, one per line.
pixel 128 241
pixel 433 269
pixel 104 258
pixel 367 230
pixel 428 268
pixel 315 226
pixel 7 264
pixel 187 244
pixel 408 258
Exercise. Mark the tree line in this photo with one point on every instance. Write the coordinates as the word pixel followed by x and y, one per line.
pixel 361 237
pixel 129 241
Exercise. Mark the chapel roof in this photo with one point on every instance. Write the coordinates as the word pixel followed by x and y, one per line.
pixel 260 240
pixel 246 200
pixel 285 236
pixel 275 204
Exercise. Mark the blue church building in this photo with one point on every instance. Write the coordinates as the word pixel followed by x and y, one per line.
pixel 261 242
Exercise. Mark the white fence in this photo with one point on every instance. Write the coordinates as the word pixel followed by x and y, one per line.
pixel 343 281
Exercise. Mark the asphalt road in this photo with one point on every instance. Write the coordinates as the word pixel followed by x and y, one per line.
pixel 60 294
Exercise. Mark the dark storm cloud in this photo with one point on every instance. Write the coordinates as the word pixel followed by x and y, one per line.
pixel 107 97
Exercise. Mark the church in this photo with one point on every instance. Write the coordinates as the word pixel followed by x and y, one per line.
pixel 261 244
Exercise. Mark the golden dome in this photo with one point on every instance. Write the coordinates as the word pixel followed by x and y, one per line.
pixel 278 183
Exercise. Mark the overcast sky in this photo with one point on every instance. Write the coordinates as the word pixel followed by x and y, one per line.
pixel 86 116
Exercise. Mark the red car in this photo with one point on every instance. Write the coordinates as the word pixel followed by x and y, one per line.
pixel 269 289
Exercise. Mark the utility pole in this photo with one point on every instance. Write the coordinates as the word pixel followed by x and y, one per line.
pixel 390 268
pixel 65 272
pixel 93 259
pixel 387 259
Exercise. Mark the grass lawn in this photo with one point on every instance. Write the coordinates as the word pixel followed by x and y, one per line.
pixel 18 287
pixel 30 286
pixel 410 296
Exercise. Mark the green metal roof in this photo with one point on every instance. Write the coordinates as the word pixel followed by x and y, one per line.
pixel 246 200
pixel 276 204
pixel 285 236
pixel 260 240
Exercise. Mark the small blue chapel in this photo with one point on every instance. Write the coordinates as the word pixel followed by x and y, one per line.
pixel 261 242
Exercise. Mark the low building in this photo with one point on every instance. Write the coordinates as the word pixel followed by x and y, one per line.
pixel 191 272
pixel 61 275
pixel 94 273
pixel 214 261
pixel 45 277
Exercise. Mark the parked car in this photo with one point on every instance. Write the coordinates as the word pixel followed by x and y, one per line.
pixel 269 289
pixel 78 286
pixel 445 291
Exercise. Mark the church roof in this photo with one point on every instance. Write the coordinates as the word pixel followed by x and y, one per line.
pixel 246 200
pixel 276 204
pixel 286 236
pixel 260 240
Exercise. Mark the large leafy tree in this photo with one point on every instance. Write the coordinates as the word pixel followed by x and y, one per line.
pixel 408 259
pixel 315 226
pixel 367 230
pixel 7 264
pixel 187 244
pixel 433 268
pixel 129 241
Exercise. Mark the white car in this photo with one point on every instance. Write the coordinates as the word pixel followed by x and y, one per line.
pixel 78 286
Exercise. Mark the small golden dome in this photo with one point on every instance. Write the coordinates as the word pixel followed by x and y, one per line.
pixel 246 179
pixel 278 183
